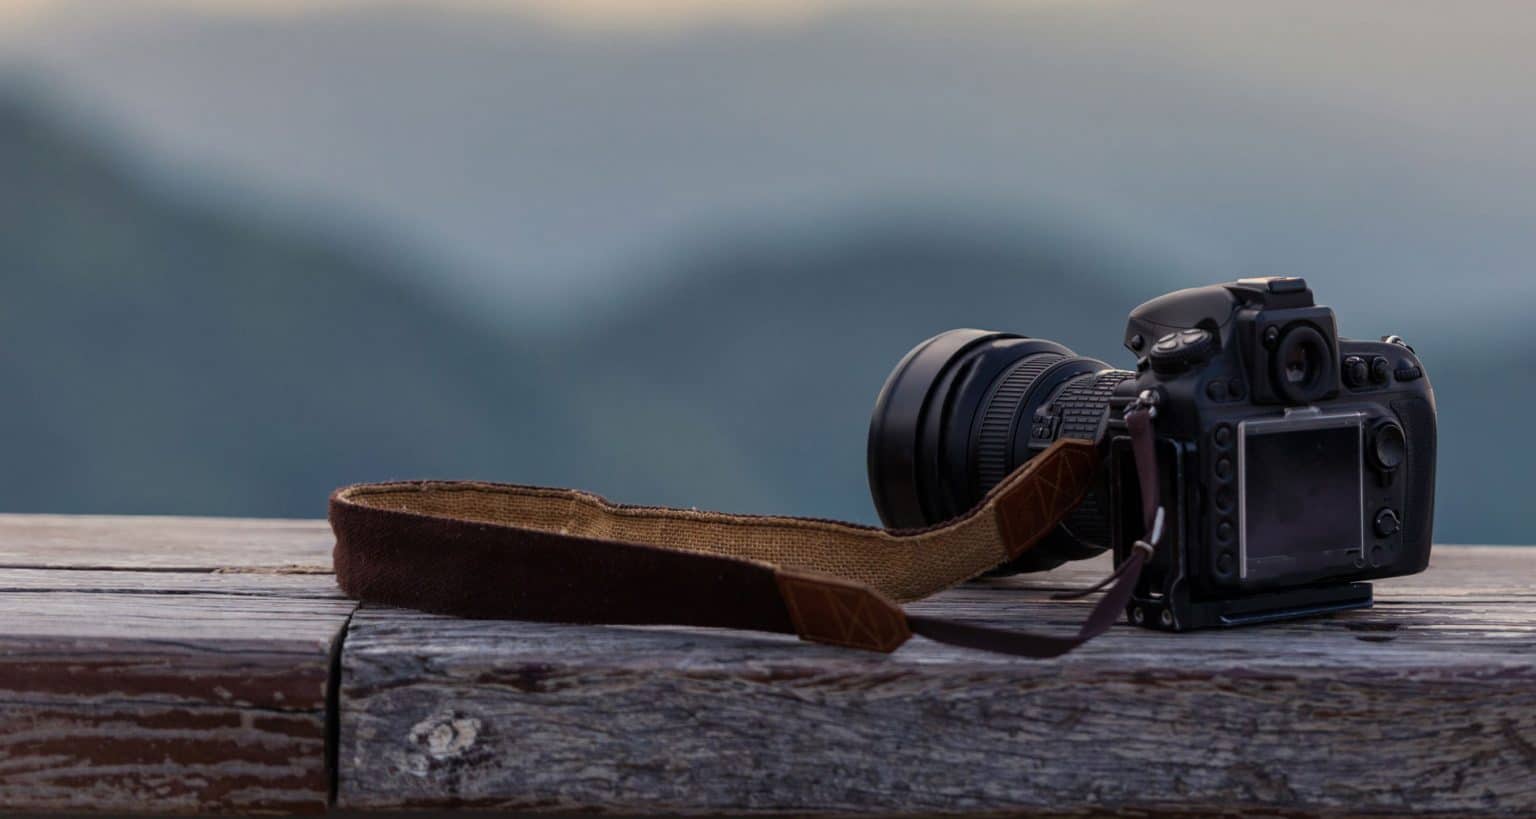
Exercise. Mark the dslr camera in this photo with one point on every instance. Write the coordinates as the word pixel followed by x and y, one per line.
pixel 1293 464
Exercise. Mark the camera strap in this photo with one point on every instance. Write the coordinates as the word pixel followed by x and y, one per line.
pixel 490 550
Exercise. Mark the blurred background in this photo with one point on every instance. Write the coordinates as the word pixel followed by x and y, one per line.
pixel 668 250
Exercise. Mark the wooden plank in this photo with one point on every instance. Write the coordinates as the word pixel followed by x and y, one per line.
pixel 141 543
pixel 200 685
pixel 178 690
pixel 1426 704
pixel 1452 570
pixel 220 584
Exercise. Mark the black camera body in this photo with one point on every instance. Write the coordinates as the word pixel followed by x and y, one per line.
pixel 1293 464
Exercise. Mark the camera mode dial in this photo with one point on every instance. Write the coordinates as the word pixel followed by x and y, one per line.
pixel 1181 350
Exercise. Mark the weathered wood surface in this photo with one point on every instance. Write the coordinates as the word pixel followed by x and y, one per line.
pixel 186 689
pixel 1426 704
pixel 174 665
pixel 144 543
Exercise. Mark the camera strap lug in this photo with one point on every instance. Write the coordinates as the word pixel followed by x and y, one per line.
pixel 1138 417
pixel 1149 545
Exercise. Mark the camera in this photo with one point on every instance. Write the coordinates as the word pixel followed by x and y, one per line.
pixel 1293 465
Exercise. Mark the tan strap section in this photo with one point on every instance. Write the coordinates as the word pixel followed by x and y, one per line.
pixel 837 580
pixel 842 613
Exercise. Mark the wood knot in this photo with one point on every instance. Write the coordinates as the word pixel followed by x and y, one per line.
pixel 445 736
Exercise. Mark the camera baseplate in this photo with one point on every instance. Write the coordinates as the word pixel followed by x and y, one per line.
pixel 1178 613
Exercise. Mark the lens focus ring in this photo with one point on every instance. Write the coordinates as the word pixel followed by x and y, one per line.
pixel 994 438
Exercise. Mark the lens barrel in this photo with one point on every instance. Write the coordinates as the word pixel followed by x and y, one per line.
pixel 964 409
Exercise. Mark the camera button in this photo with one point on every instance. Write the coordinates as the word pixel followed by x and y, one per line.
pixel 1355 371
pixel 1224 532
pixel 1408 373
pixel 1223 435
pixel 1389 447
pixel 1381 371
pixel 1224 468
pixel 1177 351
pixel 1216 390
pixel 1387 523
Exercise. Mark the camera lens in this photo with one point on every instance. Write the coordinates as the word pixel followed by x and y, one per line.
pixel 966 408
pixel 1303 365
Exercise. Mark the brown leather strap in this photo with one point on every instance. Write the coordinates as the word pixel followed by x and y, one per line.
pixel 503 551
pixel 1120 584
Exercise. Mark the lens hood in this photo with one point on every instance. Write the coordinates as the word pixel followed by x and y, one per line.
pixel 917 441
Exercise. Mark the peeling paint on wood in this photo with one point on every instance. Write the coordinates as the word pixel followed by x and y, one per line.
pixel 165 691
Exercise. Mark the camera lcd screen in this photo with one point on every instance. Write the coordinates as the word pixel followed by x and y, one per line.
pixel 1300 486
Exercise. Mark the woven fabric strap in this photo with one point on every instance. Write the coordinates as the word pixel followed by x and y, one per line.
pixel 502 551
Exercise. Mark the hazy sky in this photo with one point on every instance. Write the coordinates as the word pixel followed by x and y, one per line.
pixel 639 14
pixel 1385 147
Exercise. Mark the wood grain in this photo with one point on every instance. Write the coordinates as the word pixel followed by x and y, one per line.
pixel 178 690
pixel 1426 704
pixel 168 665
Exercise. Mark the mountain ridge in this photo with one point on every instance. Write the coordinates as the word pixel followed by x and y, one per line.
pixel 162 356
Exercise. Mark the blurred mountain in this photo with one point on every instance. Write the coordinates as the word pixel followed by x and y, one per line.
pixel 780 344
pixel 160 357
pixel 160 354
